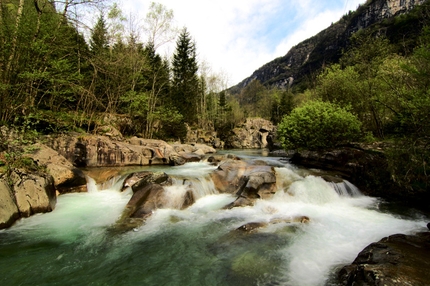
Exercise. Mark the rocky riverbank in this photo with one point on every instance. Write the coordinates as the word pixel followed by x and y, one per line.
pixel 56 168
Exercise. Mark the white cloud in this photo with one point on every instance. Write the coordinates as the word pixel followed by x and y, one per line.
pixel 234 35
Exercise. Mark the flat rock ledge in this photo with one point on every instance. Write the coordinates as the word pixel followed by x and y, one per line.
pixel 102 151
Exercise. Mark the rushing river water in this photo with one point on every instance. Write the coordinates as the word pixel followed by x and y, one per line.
pixel 73 245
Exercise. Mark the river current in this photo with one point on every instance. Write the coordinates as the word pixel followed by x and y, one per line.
pixel 75 244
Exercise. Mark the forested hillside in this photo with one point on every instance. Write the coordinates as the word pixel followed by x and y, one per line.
pixel 60 75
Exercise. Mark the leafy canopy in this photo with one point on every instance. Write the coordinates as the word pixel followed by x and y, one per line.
pixel 317 125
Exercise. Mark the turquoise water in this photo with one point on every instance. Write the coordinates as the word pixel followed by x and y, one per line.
pixel 75 244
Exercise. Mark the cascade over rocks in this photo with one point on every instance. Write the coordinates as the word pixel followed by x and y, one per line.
pixel 252 134
pixel 395 260
pixel 247 180
pixel 364 167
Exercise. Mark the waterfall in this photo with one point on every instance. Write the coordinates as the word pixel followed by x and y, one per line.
pixel 91 185
pixel 200 244
pixel 346 189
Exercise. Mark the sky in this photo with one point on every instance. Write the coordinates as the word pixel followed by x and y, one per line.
pixel 236 37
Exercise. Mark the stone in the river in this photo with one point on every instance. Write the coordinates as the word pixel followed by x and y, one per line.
pixel 395 260
pixel 248 180
pixel 8 209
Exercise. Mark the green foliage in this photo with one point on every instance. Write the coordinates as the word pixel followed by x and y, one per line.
pixel 317 125
pixel 282 104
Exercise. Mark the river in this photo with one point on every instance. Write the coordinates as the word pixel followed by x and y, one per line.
pixel 74 244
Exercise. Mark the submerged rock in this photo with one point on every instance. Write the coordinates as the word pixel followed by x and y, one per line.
pixel 251 226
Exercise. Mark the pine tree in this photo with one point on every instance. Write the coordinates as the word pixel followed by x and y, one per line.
pixel 185 87
pixel 99 36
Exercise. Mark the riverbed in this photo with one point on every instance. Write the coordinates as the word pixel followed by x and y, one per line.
pixel 200 245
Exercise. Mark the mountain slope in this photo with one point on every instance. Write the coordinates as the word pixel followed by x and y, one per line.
pixel 305 59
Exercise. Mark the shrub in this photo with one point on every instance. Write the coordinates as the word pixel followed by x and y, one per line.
pixel 317 125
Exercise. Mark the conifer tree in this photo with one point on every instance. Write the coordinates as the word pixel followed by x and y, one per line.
pixel 185 87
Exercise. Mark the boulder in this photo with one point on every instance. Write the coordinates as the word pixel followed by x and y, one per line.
pixel 101 151
pixel 193 148
pixel 248 180
pixel 395 260
pixel 34 193
pixel 252 134
pixel 67 178
pixel 8 210
pixel 148 195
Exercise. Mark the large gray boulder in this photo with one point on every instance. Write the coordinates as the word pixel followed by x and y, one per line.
pixel 67 178
pixel 8 209
pixel 34 193
pixel 252 134
pixel 248 180
pixel 395 260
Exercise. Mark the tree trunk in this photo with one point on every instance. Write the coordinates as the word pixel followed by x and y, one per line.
pixel 15 37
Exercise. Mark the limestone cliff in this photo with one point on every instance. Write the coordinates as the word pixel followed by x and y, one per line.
pixel 309 56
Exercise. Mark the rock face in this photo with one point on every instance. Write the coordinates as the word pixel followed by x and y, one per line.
pixel 67 178
pixel 25 194
pixel 395 260
pixel 34 193
pixel 252 134
pixel 202 136
pixel 325 47
pixel 8 209
pixel 101 151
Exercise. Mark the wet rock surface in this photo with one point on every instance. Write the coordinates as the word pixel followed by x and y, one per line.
pixel 247 180
pixel 395 260
pixel 23 194
pixel 365 168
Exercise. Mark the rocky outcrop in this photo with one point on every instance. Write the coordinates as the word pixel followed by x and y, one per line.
pixel 67 178
pixel 8 209
pixel 365 168
pixel 395 260
pixel 252 134
pixel 204 136
pixel 148 196
pixel 34 193
pixel 23 194
pixel 326 47
pixel 101 151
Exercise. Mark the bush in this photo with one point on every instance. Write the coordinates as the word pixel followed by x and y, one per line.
pixel 318 125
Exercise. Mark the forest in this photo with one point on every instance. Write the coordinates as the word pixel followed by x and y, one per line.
pixel 59 75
